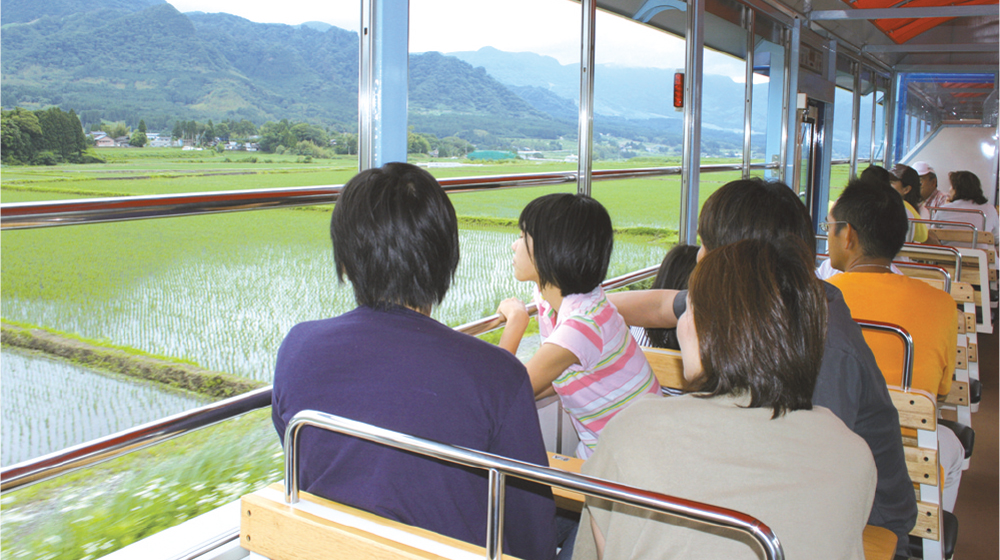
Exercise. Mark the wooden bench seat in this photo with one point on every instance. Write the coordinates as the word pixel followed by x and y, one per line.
pixel 318 528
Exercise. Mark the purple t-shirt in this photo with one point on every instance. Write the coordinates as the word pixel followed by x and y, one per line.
pixel 403 371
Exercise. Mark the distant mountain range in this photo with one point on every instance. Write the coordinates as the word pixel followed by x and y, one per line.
pixel 142 59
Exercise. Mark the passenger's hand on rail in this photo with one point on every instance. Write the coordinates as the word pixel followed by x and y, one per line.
pixel 514 312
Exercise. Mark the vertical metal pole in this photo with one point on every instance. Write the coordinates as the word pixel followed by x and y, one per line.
pixel 901 86
pixel 494 515
pixel 366 88
pixel 855 118
pixel 291 466
pixel 788 119
pixel 586 120
pixel 820 193
pixel 691 162
pixel 874 81
pixel 748 21
pixel 774 143
pixel 889 109
pixel 382 82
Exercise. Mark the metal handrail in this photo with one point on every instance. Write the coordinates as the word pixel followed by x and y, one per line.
pixel 493 322
pixel 925 248
pixel 960 211
pixel 500 467
pixel 115 445
pixel 975 232
pixel 917 266
pixel 930 268
pixel 126 441
pixel 25 215
pixel 936 249
pixel 907 346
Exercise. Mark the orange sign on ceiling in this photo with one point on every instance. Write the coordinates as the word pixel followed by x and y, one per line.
pixel 901 30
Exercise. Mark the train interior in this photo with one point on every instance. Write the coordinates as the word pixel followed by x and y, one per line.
pixel 922 78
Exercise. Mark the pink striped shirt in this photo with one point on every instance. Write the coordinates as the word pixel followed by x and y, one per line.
pixel 613 371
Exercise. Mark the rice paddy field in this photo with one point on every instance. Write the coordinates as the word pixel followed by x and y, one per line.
pixel 220 291
pixel 102 405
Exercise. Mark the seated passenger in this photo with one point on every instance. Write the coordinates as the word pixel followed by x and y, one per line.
pixel 850 383
pixel 867 228
pixel 930 195
pixel 967 193
pixel 906 182
pixel 750 438
pixel 587 355
pixel 673 274
pixel 388 363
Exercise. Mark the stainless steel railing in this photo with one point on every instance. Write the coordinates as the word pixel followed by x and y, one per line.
pixel 945 275
pixel 115 445
pixel 23 215
pixel 982 214
pixel 930 268
pixel 500 467
pixel 902 333
pixel 961 225
pixel 126 441
pixel 918 249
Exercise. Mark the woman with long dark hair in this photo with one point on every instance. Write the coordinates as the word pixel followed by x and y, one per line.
pixel 749 439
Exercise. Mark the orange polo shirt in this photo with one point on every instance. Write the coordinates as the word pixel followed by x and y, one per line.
pixel 927 313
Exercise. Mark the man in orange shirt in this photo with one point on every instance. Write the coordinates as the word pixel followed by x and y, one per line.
pixel 867 227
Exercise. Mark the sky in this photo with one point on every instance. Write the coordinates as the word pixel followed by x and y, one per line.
pixel 444 25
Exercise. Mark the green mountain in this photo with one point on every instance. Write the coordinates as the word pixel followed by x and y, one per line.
pixel 142 59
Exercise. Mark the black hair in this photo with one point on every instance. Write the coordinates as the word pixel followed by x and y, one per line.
pixel 910 178
pixel 760 314
pixel 395 237
pixel 877 214
pixel 674 272
pixel 876 175
pixel 572 240
pixel 967 186
pixel 754 209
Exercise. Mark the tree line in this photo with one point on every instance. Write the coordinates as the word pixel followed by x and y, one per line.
pixel 42 137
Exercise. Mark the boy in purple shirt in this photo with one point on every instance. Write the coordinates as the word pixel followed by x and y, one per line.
pixel 388 363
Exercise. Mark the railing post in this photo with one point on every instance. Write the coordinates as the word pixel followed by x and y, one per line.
pixel 748 24
pixel 494 515
pixel 694 66
pixel 382 82
pixel 855 118
pixel 586 118
pixel 791 90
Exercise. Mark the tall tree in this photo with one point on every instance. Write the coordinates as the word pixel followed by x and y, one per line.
pixel 20 132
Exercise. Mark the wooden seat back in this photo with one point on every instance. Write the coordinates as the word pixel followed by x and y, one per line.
pixel 667 367
pixel 319 528
pixel 918 420
pixel 343 532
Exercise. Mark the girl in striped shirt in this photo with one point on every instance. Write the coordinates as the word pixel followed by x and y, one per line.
pixel 587 356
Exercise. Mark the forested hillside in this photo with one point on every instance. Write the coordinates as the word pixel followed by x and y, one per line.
pixel 126 60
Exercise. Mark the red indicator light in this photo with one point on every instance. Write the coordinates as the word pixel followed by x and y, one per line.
pixel 679 90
